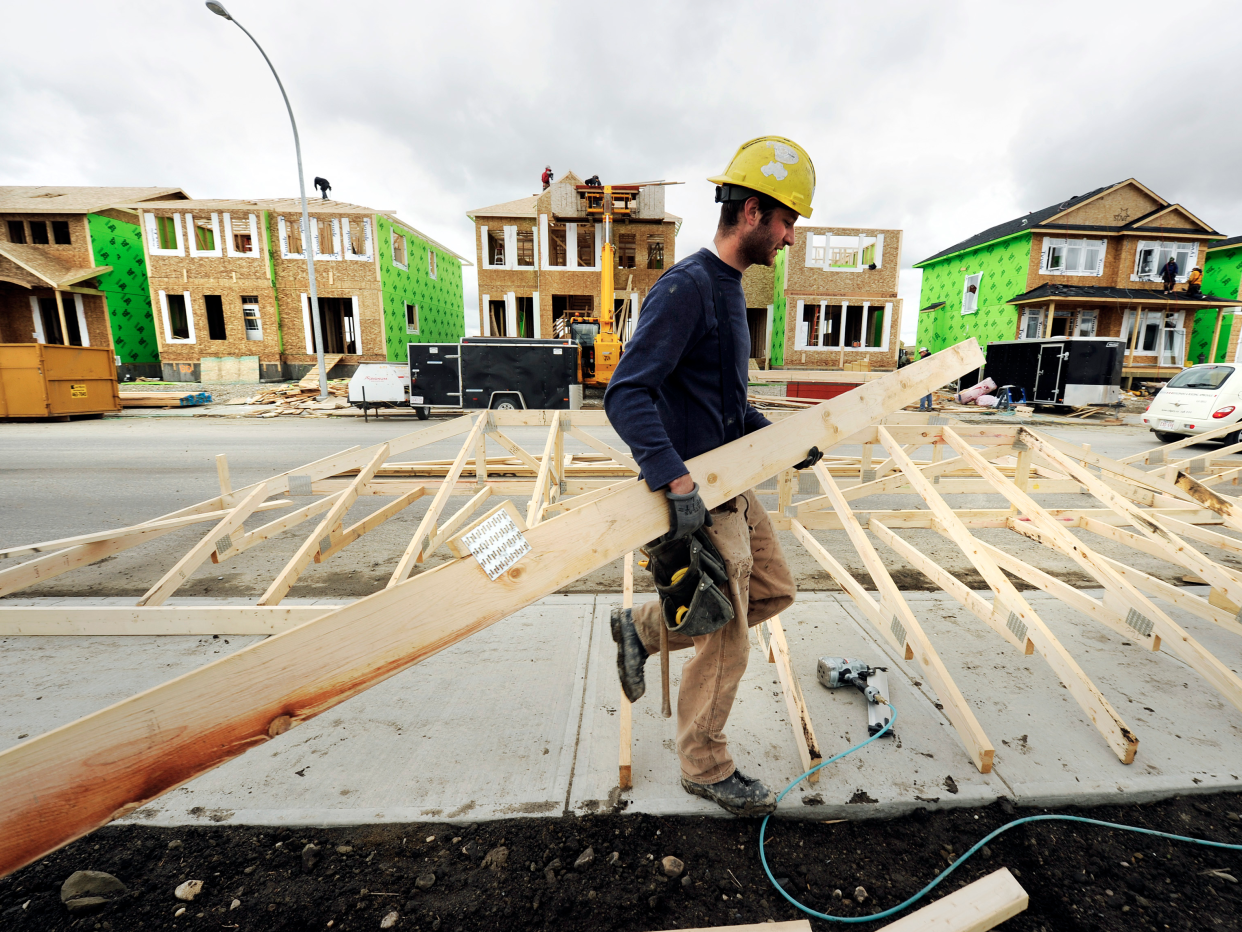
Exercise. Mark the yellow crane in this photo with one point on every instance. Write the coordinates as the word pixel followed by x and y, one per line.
pixel 597 338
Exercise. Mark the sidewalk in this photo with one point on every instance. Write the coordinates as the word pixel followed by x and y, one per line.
pixel 522 719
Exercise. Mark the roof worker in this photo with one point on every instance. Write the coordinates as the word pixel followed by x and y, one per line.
pixel 593 181
pixel 680 390
pixel 546 177
pixel 1194 283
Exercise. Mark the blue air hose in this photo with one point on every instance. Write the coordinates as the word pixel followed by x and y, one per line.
pixel 956 864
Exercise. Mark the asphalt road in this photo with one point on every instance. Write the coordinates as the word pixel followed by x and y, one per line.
pixel 60 479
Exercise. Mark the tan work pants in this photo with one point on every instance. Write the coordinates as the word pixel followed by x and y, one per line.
pixel 760 586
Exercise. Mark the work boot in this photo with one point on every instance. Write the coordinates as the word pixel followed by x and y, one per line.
pixel 737 793
pixel 631 655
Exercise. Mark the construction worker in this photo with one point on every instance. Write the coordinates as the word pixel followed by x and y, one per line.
pixel 1194 283
pixel 680 390
pixel 546 177
pixel 925 403
pixel 1168 273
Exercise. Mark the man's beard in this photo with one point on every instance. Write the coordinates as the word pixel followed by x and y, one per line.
pixel 758 247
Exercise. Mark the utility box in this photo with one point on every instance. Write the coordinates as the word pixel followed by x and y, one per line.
pixel 1074 372
pixel 49 380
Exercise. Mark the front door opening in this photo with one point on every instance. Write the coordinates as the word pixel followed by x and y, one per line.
pixel 336 320
pixel 757 323
pixel 50 316
pixel 496 318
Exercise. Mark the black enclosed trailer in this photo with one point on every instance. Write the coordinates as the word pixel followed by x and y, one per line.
pixel 495 372
pixel 1075 372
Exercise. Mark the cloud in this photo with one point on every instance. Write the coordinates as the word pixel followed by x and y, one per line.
pixel 939 119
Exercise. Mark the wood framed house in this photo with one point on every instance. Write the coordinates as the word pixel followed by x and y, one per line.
pixel 72 271
pixel 833 300
pixel 539 256
pixel 1087 266
pixel 230 287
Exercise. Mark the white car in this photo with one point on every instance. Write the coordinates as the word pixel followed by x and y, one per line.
pixel 1195 400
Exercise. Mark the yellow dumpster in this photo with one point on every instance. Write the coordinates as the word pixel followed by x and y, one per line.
pixel 48 380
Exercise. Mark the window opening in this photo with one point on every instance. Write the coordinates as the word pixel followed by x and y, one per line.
pixel 832 325
pixel 398 248
pixel 494 247
pixel 626 250
pixel 251 319
pixel 1151 258
pixel 178 317
pixel 970 293
pixel 213 304
pixel 870 250
pixel 359 234
pixel 757 324
pixel 525 317
pixel 204 235
pixel 810 321
pixel 1086 323
pixel 38 233
pixel 60 234
pixel 326 236
pixel 51 321
pixel 243 235
pixel 655 251
pixel 411 318
pixel 17 231
pixel 854 325
pixel 586 245
pixel 293 237
pixel 336 321
pixel 558 251
pixel 816 247
pixel 875 326
pixel 1072 256
pixel 497 311
pixel 843 251
pixel 525 249
pixel 1032 324
pixel 431 262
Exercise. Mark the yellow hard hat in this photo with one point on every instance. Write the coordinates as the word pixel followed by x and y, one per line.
pixel 775 166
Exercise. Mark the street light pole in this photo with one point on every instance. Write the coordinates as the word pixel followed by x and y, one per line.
pixel 307 241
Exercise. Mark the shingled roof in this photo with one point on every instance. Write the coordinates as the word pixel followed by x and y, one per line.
pixel 1054 290
pixel 1018 225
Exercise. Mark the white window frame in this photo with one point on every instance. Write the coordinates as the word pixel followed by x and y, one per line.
pixel 320 255
pixel 195 252
pixel 153 236
pixel 407 305
pixel 510 247
pixel 255 250
pixel 1027 314
pixel 357 326
pixel 37 318
pixel 431 261
pixel 189 317
pixel 885 323
pixel 392 246
pixel 545 244
pixel 971 299
pixel 367 243
pixel 816 256
pixel 485 308
pixel 307 326
pixel 487 258
pixel 1192 258
pixel 258 316
pixel 1091 314
pixel 283 233
pixel 511 311
pixel 1053 242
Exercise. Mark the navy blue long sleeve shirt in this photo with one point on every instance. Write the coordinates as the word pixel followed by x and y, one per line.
pixel 670 398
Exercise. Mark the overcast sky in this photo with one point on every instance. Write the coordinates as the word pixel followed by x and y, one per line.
pixel 940 119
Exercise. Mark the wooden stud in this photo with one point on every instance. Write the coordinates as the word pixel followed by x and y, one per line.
pixel 795 705
pixel 158 620
pixel 460 517
pixel 534 510
pixel 596 444
pixel 279 526
pixel 976 907
pixel 200 552
pixel 1008 603
pixel 284 581
pixel 222 472
pixel 369 523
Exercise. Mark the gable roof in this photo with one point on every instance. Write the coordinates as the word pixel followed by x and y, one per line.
pixel 522 207
pixel 31 199
pixel 1137 295
pixel 1226 243
pixel 47 268
pixel 1048 219
pixel 1018 225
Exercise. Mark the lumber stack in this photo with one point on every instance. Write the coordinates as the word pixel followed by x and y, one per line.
pixel 164 399
pixel 298 400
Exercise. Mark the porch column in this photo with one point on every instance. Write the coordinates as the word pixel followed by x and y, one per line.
pixel 1220 315
pixel 60 309
pixel 1052 311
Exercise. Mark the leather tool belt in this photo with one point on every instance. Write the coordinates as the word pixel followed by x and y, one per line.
pixel 689 576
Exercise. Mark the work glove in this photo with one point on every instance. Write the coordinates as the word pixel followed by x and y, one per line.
pixel 813 456
pixel 686 513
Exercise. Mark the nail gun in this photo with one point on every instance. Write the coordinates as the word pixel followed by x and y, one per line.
pixel 872 682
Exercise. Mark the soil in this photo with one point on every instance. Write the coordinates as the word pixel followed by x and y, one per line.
pixel 1078 877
